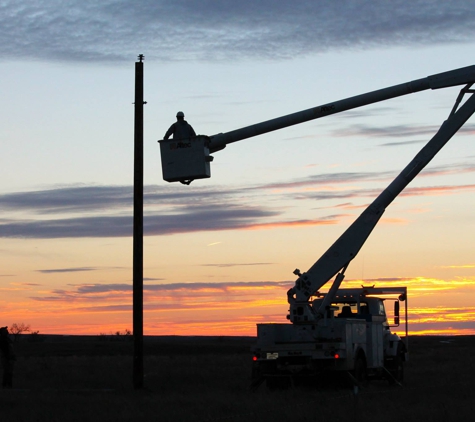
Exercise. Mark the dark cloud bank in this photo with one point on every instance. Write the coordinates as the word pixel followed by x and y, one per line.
pixel 117 30
pixel 106 211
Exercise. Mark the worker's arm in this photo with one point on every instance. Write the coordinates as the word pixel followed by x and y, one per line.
pixel 170 131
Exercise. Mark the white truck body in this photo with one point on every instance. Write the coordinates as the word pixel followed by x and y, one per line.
pixel 336 341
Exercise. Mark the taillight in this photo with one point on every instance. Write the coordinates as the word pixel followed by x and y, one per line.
pixel 254 358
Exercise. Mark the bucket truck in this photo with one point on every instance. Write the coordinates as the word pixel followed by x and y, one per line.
pixel 345 330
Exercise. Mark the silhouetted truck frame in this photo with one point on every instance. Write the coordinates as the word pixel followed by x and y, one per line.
pixel 317 339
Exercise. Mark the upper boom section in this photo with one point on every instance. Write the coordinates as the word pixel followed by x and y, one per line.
pixel 462 76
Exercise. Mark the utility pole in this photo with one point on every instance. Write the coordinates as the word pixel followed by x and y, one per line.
pixel 138 227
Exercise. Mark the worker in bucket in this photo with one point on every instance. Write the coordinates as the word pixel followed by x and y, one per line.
pixel 7 357
pixel 181 129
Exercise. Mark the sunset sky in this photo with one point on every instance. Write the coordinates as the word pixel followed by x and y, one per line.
pixel 219 254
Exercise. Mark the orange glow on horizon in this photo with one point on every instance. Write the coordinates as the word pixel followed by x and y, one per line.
pixel 217 309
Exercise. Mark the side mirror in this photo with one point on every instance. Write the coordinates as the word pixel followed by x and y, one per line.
pixel 396 312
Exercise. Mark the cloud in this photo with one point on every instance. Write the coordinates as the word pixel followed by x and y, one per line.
pixel 191 220
pixel 388 280
pixel 106 211
pixel 331 179
pixel 374 110
pixel 82 199
pixel 398 144
pixel 437 190
pixel 116 31
pixel 396 131
pixel 240 218
pixel 66 270
pixel 442 320
pixel 171 287
pixel 350 206
pixel 373 193
pixel 184 307
pixel 450 169
pixel 86 292
pixel 326 179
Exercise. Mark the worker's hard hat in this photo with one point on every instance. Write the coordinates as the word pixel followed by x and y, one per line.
pixel 180 114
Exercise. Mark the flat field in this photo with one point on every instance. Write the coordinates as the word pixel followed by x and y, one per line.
pixel 207 379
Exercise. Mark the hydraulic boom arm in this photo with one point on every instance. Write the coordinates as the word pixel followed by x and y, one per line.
pixel 455 77
pixel 339 255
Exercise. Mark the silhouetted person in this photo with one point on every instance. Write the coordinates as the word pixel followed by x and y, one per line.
pixel 7 357
pixel 345 312
pixel 181 129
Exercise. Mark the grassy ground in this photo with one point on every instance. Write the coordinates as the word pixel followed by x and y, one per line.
pixel 207 379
